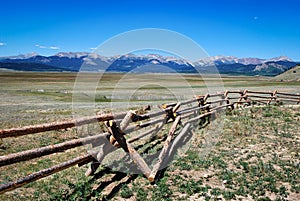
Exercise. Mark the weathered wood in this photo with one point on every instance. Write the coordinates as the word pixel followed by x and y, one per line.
pixel 248 95
pixel 215 95
pixel 267 100
pixel 127 120
pixel 256 96
pixel 274 97
pixel 234 98
pixel 108 148
pixel 234 92
pixel 260 101
pixel 44 173
pixel 200 116
pixel 16 132
pixel 243 96
pixel 288 97
pixel 242 102
pixel 179 140
pixel 287 100
pixel 152 131
pixel 163 152
pixel 192 109
pixel 260 92
pixel 288 94
pixel 143 125
pixel 105 149
pixel 135 156
pixel 47 150
pixel 50 149
pixel 214 110
pixel 176 107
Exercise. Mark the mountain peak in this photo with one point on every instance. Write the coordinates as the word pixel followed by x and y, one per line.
pixel 72 54
pixel 72 61
pixel 280 58
pixel 21 56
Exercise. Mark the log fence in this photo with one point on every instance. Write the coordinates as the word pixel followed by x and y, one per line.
pixel 184 117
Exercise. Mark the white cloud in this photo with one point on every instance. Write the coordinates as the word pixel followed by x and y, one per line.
pixel 93 48
pixel 54 48
pixel 2 44
pixel 45 47
pixel 41 46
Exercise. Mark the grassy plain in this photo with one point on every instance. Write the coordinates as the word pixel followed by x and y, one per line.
pixel 256 156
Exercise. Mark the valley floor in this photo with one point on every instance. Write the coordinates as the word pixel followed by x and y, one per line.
pixel 254 155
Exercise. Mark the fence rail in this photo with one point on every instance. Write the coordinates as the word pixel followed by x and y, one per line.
pixel 184 114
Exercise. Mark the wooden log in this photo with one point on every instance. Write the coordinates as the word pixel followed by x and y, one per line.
pixel 215 95
pixel 16 132
pixel 206 97
pixel 179 139
pixel 256 96
pixel 216 101
pixel 289 94
pixel 47 150
pixel 288 97
pixel 127 120
pixel 252 99
pixel 32 129
pixel 234 92
pixel 242 102
pixel 260 101
pixel 274 97
pixel 259 92
pixel 192 109
pixel 152 131
pixel 135 156
pixel 44 173
pixel 166 106
pixel 176 107
pixel 214 110
pixel 50 149
pixel 243 96
pixel 108 148
pixel 164 150
pixel 287 100
pixel 234 98
pixel 200 116
pixel 221 107
pixel 226 93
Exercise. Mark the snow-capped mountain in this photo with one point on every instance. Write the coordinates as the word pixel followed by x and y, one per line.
pixel 280 58
pixel 220 60
pixel 21 56
pixel 73 61
pixel 71 55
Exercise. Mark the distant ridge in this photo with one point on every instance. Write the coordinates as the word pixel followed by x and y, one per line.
pixel 72 61
pixel 292 74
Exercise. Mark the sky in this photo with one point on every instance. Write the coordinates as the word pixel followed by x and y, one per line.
pixel 241 28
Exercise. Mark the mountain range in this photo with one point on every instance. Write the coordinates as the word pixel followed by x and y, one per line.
pixel 73 61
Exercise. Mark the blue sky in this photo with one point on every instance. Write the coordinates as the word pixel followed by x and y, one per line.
pixel 242 28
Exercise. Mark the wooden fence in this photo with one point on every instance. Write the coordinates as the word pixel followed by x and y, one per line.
pixel 184 118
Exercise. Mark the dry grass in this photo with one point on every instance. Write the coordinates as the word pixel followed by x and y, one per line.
pixel 254 158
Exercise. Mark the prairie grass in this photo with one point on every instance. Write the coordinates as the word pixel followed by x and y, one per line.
pixel 254 156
